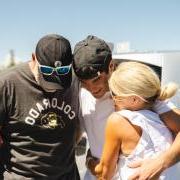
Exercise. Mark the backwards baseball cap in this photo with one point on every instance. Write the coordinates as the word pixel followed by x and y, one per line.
pixel 91 55
pixel 53 48
pixel 54 51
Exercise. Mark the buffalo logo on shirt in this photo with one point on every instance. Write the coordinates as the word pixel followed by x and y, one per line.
pixel 47 113
pixel 52 120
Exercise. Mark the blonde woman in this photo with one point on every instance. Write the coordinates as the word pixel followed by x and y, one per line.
pixel 134 132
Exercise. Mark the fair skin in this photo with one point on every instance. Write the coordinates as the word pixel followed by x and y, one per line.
pixel 170 118
pixel 98 86
pixel 33 64
pixel 117 139
pixel 152 168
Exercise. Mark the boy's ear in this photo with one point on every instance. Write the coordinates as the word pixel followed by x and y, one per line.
pixel 111 67
pixel 33 57
pixel 33 60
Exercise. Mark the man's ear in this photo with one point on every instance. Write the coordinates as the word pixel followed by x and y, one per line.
pixel 33 62
pixel 33 57
pixel 111 67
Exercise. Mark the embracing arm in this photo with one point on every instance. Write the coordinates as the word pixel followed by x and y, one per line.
pixel 152 168
pixel 172 155
pixel 172 120
pixel 105 169
pixel 169 114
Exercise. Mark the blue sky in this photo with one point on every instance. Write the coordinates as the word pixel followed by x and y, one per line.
pixel 146 24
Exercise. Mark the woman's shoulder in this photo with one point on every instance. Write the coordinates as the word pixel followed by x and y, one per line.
pixel 118 123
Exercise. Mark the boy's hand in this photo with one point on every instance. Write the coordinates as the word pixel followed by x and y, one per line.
pixel 91 162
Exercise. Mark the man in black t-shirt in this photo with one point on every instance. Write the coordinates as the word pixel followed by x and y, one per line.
pixel 39 110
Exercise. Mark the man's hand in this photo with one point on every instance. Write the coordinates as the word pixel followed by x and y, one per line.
pixel 149 169
pixel 91 162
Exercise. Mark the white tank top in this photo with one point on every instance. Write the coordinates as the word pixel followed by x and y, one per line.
pixel 155 139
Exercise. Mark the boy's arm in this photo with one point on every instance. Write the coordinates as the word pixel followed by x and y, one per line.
pixel 172 120
pixel 169 114
pixel 151 168
pixel 91 162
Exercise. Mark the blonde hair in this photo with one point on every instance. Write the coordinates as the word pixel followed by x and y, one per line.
pixel 133 78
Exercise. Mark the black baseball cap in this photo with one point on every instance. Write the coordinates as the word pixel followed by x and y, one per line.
pixel 90 56
pixel 53 48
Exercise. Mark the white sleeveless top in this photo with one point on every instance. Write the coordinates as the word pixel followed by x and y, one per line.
pixel 155 139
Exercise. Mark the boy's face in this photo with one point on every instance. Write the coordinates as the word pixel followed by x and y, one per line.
pixel 98 86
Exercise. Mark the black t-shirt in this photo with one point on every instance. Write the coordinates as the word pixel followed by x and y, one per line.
pixel 38 128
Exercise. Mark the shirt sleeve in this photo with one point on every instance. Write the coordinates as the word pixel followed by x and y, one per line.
pixel 81 118
pixel 161 107
pixel 80 121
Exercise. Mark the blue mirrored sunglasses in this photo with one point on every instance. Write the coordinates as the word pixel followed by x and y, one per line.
pixel 48 70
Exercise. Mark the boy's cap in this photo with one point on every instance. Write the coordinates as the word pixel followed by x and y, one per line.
pixel 52 48
pixel 91 51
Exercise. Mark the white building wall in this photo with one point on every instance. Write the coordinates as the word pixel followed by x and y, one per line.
pixel 169 61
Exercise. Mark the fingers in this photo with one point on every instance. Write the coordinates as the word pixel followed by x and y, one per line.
pixel 98 169
pixel 135 176
pixel 135 164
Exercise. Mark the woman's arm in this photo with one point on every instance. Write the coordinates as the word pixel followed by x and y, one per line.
pixel 172 120
pixel 105 169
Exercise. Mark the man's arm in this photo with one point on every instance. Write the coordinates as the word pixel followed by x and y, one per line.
pixel 172 120
pixel 172 156
pixel 152 168
pixel 91 162
pixel 169 114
